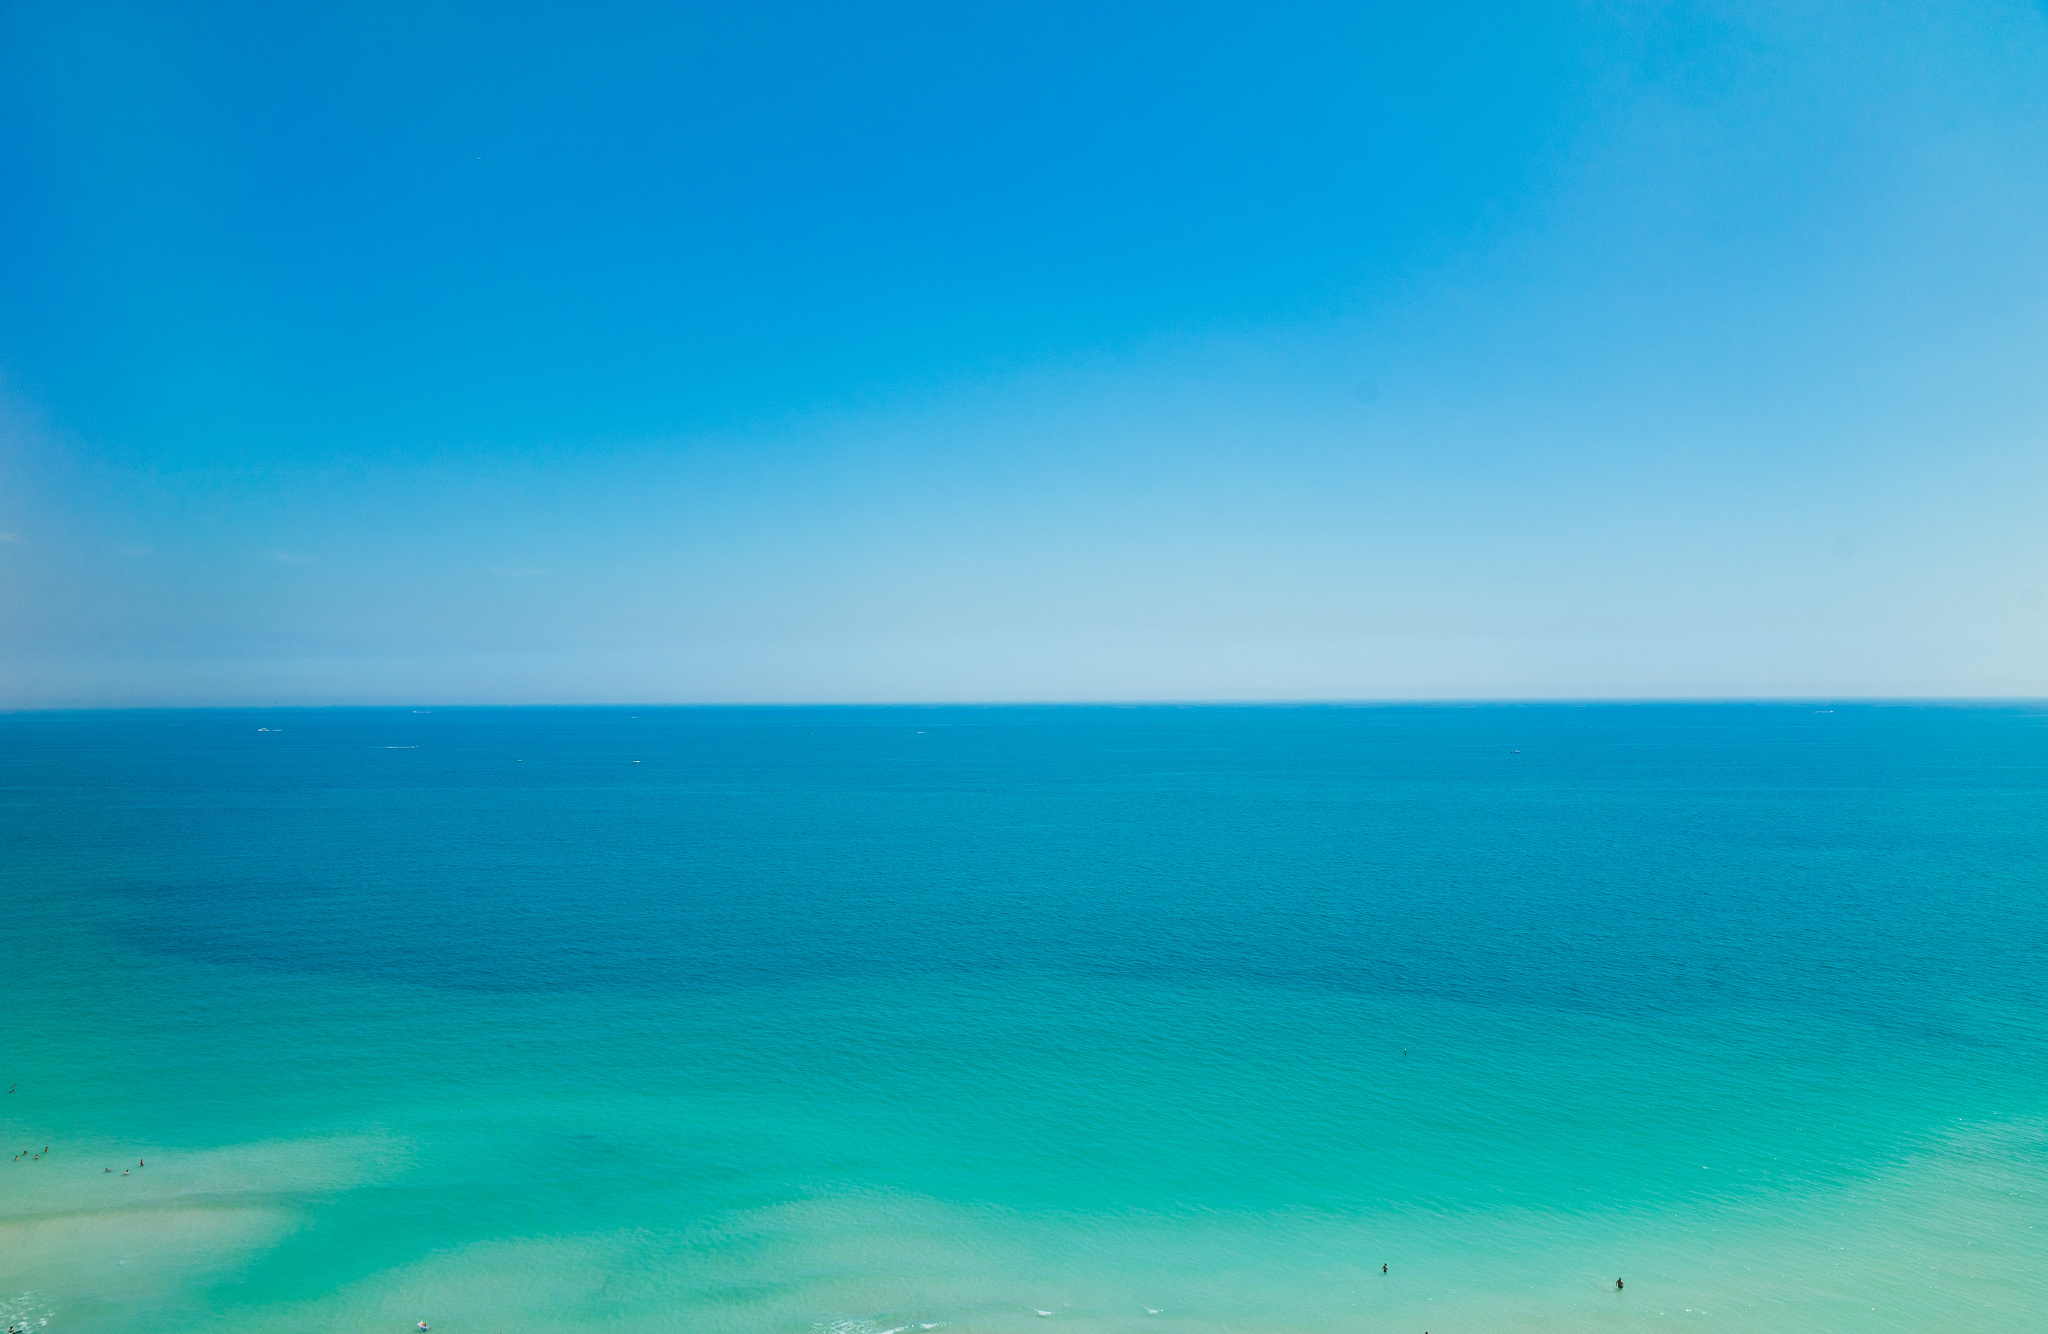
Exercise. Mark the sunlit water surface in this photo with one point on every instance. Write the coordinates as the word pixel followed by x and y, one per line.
pixel 1167 1020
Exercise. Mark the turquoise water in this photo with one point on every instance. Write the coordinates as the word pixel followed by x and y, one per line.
pixel 1172 1020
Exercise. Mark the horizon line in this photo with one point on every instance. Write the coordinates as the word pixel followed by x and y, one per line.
pixel 1447 701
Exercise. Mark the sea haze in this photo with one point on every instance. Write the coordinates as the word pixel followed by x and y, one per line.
pixel 864 1019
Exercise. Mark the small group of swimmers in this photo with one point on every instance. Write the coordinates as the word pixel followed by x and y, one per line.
pixel 29 1154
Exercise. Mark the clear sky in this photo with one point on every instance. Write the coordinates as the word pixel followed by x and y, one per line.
pixel 672 352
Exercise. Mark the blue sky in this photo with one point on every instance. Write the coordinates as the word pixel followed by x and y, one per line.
pixel 804 352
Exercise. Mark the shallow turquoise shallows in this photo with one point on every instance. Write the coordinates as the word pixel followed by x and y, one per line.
pixel 1158 1019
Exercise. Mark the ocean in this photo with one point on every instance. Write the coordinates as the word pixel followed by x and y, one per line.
pixel 1174 1020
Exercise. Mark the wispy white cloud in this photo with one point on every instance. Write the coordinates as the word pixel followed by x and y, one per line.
pixel 12 537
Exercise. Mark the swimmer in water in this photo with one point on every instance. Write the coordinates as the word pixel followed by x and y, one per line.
pixel 1383 1269
pixel 1617 1285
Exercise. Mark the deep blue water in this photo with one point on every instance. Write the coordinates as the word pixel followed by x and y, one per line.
pixel 801 1018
